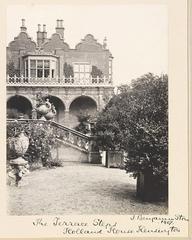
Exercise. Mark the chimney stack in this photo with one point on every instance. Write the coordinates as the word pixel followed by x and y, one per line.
pixel 39 27
pixel 58 23
pixel 59 28
pixel 44 28
pixel 39 36
pixel 44 33
pixel 23 27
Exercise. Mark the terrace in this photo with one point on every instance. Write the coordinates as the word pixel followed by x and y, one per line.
pixel 65 82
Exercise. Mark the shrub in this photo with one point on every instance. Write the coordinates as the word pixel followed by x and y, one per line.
pixel 83 119
pixel 136 121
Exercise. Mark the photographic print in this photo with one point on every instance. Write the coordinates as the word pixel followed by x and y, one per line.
pixel 87 124
pixel 92 128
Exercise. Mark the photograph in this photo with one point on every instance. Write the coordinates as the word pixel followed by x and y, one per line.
pixel 87 111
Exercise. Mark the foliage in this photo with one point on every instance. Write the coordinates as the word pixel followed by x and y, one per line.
pixel 136 121
pixel 11 70
pixel 83 119
pixel 68 70
pixel 54 163
pixel 96 72
pixel 41 139
pixel 15 114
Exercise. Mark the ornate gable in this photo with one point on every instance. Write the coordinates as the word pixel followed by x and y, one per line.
pixel 55 42
pixel 22 41
pixel 89 44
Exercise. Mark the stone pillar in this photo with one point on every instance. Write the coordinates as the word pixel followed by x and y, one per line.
pixel 94 154
pixel 34 114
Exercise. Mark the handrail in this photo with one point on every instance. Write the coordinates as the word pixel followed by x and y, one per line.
pixel 62 133
pixel 70 130
pixel 51 123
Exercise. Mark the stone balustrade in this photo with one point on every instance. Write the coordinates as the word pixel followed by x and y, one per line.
pixel 71 81
pixel 62 133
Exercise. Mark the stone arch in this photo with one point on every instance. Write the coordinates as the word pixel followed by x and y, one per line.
pixel 60 108
pixel 19 106
pixel 81 105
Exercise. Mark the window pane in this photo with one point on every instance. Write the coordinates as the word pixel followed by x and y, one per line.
pixel 76 68
pixel 76 75
pixel 110 71
pixel 82 75
pixel 87 75
pixel 87 68
pixel 33 63
pixel 39 63
pixel 82 68
pixel 52 73
pixel 46 73
pixel 46 64
pixel 33 73
pixel 39 73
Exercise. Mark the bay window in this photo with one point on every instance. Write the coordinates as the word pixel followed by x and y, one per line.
pixel 40 67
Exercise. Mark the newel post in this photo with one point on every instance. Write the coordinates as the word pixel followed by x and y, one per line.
pixel 94 154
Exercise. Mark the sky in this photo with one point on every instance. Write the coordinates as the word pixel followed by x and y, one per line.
pixel 137 35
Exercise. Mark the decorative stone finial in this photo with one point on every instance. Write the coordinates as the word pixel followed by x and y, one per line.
pixel 23 22
pixel 105 43
pixel 39 27
pixel 23 27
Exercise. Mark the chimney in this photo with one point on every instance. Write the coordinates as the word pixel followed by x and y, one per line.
pixel 59 28
pixel 23 27
pixel 44 33
pixel 39 36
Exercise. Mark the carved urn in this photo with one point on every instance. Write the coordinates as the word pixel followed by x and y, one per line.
pixel 19 166
pixel 51 114
pixel 44 108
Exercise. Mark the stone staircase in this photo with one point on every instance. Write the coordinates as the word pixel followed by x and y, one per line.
pixel 73 146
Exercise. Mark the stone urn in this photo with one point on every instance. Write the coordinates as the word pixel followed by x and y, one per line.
pixel 51 114
pixel 18 166
pixel 44 108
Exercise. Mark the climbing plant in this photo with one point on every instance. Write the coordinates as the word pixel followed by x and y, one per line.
pixel 11 70
pixel 96 72
pixel 68 70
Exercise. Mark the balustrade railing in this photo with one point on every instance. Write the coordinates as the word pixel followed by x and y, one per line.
pixel 62 133
pixel 71 81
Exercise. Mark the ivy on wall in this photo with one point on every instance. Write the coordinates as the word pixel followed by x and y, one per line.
pixel 68 70
pixel 11 70
pixel 96 72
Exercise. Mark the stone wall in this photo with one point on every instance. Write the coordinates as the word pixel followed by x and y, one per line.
pixel 65 96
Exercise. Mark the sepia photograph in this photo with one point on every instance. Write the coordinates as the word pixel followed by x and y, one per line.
pixel 87 109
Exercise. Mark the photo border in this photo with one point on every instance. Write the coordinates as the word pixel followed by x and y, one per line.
pixel 173 4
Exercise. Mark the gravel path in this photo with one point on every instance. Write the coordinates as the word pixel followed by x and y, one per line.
pixel 79 189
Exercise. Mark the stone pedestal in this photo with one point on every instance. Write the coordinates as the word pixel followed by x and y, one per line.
pixel 19 169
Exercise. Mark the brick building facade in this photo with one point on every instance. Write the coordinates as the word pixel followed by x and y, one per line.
pixel 75 80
